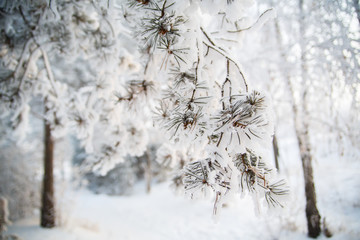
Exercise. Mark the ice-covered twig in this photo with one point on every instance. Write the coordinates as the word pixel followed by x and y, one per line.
pixel 231 60
pixel 49 71
pixel 223 52
pixel 263 18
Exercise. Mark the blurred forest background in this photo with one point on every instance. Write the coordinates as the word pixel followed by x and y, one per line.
pixel 84 92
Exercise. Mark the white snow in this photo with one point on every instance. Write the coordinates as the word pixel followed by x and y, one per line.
pixel 162 215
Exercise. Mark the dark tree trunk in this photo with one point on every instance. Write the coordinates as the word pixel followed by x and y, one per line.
pixel 4 216
pixel 48 199
pixel 312 214
pixel 276 152
pixel 302 116
pixel 357 9
pixel 148 171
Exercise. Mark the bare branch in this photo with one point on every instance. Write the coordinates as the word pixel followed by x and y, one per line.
pixel 257 21
pixel 231 60
pixel 49 71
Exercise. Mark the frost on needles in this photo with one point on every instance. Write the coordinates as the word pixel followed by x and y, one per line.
pixel 220 129
pixel 107 71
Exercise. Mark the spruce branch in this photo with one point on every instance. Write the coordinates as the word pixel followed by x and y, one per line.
pixel 223 174
pixel 256 100
pixel 182 78
pixel 188 120
pixel 161 24
pixel 135 89
pixel 273 191
pixel 139 3
pixel 254 171
pixel 162 112
pixel 196 176
pixel 167 44
pixel 244 115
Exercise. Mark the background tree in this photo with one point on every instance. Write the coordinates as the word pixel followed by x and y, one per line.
pixel 303 136
pixel 314 46
pixel 49 52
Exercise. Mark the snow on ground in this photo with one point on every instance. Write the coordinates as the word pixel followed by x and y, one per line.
pixel 161 215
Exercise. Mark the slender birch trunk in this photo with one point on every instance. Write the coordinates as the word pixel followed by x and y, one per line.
pixel 276 152
pixel 301 117
pixel 302 131
pixel 48 198
pixel 148 171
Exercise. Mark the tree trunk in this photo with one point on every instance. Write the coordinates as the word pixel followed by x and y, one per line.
pixel 48 200
pixel 312 214
pixel 302 131
pixel 301 115
pixel 4 215
pixel 357 9
pixel 276 152
pixel 148 171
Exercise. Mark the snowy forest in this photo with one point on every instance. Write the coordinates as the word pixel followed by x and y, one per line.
pixel 179 119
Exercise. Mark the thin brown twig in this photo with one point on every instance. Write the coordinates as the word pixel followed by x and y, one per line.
pixel 228 58
pixel 224 53
pixel 248 28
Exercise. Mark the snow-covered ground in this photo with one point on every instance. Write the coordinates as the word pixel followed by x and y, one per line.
pixel 163 215
pixel 159 215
